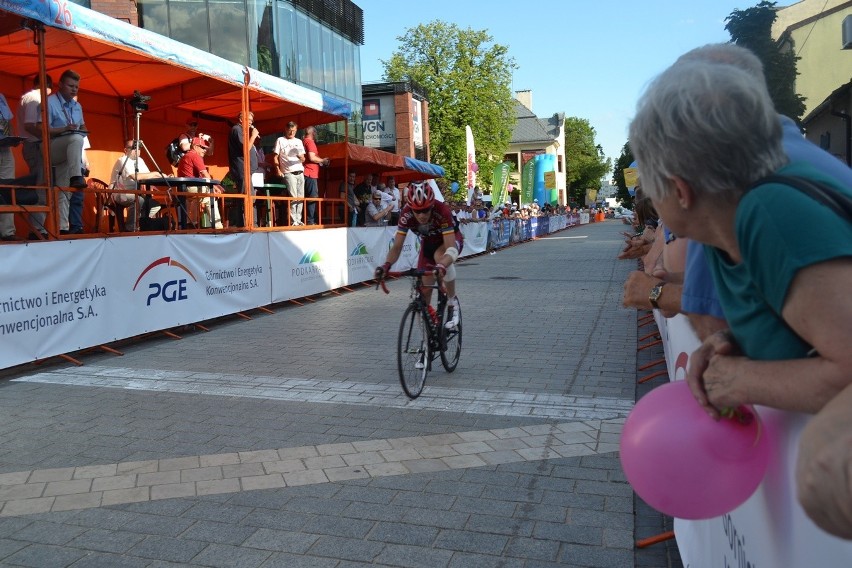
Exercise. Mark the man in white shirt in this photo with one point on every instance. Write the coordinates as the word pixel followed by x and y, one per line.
pixel 29 117
pixel 125 173
pixel 397 199
pixel 291 157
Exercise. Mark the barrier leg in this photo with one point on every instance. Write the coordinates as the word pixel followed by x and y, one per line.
pixel 656 539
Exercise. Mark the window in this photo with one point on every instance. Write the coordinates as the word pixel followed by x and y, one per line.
pixel 512 159
pixel 229 20
pixel 188 23
pixel 154 16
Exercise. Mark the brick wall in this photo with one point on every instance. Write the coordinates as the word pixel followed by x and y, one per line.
pixel 124 10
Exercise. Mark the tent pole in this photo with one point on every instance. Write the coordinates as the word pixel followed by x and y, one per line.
pixel 346 213
pixel 248 205
pixel 51 222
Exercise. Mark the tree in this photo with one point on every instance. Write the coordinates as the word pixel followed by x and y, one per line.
pixel 585 160
pixel 624 160
pixel 467 79
pixel 752 29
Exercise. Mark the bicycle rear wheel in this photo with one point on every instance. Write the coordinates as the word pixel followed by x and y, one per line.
pixel 413 351
pixel 451 341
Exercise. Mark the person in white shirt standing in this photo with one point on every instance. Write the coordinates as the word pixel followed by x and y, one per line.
pixel 30 131
pixel 291 157
pixel 397 199
pixel 7 166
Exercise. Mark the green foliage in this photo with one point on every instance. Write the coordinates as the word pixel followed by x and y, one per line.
pixel 624 160
pixel 467 79
pixel 752 29
pixel 585 160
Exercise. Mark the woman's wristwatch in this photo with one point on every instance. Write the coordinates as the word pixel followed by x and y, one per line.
pixel 655 294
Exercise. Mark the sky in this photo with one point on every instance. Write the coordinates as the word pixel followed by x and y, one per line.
pixel 585 58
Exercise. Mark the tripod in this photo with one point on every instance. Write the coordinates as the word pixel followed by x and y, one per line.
pixel 148 200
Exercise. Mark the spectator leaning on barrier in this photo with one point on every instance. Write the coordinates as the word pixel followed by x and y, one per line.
pixel 699 300
pixel 378 211
pixel 824 466
pixel 783 297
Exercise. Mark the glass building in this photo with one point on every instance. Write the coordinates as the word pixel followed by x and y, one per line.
pixel 313 43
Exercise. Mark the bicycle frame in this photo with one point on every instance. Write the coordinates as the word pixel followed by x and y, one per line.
pixel 417 346
pixel 418 299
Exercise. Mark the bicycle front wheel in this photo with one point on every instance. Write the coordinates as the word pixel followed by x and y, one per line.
pixel 451 342
pixel 413 351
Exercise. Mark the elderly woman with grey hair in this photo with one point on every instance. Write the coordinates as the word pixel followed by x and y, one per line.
pixel 704 135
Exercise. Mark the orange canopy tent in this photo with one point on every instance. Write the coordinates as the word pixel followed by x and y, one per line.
pixel 116 60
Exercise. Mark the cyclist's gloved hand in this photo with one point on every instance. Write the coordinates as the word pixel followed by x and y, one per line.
pixel 382 271
pixel 441 270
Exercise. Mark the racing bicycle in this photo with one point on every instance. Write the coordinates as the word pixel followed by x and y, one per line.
pixel 422 335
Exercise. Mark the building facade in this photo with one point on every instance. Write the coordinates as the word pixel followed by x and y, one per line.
pixel 532 136
pixel 312 43
pixel 813 29
pixel 396 118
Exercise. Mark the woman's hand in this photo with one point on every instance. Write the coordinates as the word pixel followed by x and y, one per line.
pixel 707 365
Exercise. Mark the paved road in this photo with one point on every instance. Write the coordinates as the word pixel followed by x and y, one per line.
pixel 286 440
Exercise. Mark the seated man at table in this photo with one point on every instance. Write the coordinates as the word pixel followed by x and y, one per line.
pixel 191 164
pixel 126 171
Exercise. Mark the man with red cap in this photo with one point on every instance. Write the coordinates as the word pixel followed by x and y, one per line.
pixel 191 164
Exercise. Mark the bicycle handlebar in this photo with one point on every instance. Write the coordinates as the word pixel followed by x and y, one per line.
pixel 413 272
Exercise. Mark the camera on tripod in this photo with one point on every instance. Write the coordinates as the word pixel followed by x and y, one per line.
pixel 139 101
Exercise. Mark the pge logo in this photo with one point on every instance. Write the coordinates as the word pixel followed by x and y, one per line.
pixel 169 291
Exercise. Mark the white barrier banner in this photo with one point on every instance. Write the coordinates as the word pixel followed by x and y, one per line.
pixel 475 237
pixel 72 295
pixel 771 528
pixel 584 217
pixel 63 296
pixel 56 297
pixel 307 262
pixel 231 273
pixel 367 249
pixel 410 251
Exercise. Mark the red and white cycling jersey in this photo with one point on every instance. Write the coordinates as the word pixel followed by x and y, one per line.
pixel 431 233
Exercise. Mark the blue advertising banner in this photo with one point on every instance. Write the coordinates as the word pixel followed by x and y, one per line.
pixel 501 232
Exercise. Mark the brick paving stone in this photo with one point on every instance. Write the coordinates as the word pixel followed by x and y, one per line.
pixel 168 549
pixel 45 556
pixel 227 556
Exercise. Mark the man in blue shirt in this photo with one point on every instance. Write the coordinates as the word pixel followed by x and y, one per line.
pixel 67 130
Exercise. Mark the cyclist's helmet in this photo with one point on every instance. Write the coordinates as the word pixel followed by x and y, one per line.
pixel 419 196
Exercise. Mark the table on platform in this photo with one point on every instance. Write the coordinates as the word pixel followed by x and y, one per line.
pixel 167 185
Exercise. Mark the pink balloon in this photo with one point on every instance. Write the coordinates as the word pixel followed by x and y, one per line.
pixel 685 464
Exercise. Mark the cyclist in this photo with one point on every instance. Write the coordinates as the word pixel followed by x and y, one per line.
pixel 441 242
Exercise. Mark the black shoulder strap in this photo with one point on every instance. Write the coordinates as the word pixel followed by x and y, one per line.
pixel 840 203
